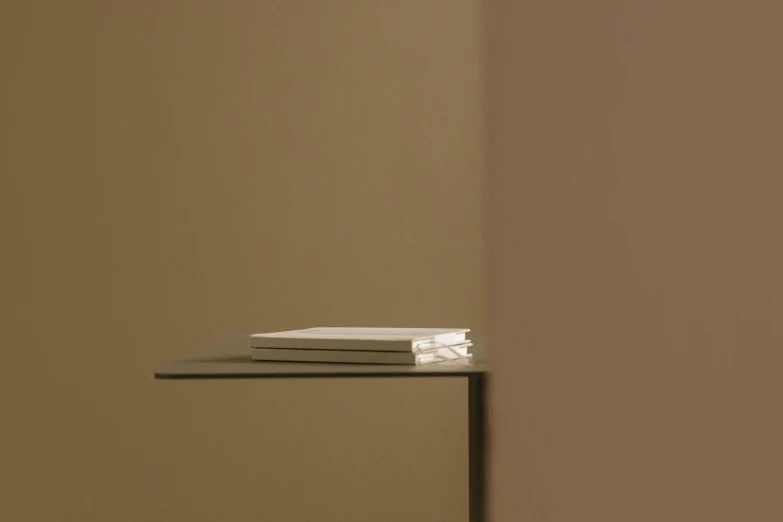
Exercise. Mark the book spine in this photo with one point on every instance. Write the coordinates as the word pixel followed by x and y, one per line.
pixel 331 344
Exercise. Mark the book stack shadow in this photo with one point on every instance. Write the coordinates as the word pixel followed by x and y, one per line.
pixel 403 346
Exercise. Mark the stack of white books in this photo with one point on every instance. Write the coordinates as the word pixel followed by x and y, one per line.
pixel 409 346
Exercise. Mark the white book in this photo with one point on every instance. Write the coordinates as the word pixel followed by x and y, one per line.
pixel 426 356
pixel 365 339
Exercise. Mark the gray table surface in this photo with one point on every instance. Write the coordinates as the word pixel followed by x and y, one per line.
pixel 237 363
pixel 233 361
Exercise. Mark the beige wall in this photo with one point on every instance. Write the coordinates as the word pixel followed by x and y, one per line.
pixel 176 171
pixel 635 283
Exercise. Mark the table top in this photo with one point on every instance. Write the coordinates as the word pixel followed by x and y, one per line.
pixel 237 364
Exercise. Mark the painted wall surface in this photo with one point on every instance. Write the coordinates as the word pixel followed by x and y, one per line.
pixel 172 172
pixel 635 293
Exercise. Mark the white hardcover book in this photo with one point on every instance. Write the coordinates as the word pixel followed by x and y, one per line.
pixel 427 356
pixel 363 339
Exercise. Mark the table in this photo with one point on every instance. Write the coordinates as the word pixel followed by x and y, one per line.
pixel 236 363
